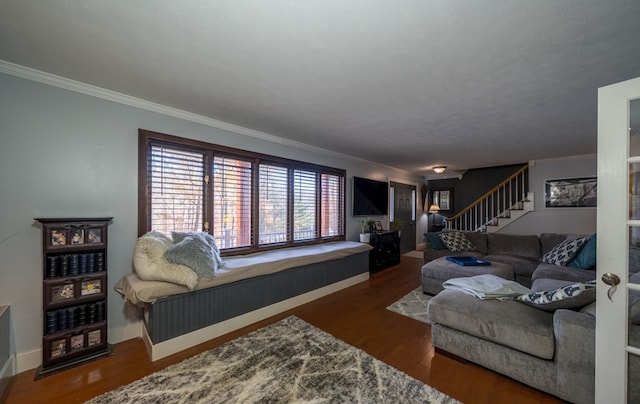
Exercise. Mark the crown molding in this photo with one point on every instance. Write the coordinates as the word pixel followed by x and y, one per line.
pixel 109 95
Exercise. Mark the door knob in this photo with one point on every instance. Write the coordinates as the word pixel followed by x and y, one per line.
pixel 612 280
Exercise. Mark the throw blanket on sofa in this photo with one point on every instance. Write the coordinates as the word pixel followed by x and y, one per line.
pixel 487 287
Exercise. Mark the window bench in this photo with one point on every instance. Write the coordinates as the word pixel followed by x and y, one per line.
pixel 247 289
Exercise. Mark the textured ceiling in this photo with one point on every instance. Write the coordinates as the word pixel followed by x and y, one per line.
pixel 410 84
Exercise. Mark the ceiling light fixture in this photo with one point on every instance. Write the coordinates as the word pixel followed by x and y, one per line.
pixel 439 169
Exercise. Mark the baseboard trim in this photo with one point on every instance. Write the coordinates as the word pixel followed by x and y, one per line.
pixel 177 344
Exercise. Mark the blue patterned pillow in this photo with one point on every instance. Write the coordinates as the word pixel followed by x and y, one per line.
pixel 572 296
pixel 564 252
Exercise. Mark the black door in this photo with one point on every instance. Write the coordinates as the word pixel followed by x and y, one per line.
pixel 404 205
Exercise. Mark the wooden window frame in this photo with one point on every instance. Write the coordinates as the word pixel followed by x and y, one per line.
pixel 146 138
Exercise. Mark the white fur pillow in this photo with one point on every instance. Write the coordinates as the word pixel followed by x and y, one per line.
pixel 150 265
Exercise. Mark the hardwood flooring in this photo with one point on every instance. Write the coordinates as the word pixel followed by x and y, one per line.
pixel 356 315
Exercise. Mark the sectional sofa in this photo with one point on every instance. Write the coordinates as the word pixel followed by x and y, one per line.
pixel 550 347
pixel 522 252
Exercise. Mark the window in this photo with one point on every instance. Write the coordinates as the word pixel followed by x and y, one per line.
pixel 246 200
pixel 175 188
pixel 273 204
pixel 232 213
pixel 304 205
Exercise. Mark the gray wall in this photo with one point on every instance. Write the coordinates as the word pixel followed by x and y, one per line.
pixel 67 154
pixel 557 220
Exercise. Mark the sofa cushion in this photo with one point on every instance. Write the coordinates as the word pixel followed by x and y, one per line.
pixel 456 241
pixel 564 252
pixel 508 323
pixel 586 257
pixel 522 266
pixel 511 244
pixel 551 271
pixel 550 240
pixel 552 294
pixel 479 241
pixel 434 240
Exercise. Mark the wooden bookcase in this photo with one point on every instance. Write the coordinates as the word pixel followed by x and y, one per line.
pixel 74 292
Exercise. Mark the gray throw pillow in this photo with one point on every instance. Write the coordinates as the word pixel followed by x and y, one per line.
pixel 204 236
pixel 194 252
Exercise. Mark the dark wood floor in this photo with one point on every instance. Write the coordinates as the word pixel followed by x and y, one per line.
pixel 356 315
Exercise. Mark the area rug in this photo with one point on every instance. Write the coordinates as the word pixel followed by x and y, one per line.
pixel 414 305
pixel 414 254
pixel 287 362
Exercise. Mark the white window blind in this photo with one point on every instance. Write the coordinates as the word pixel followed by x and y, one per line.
pixel 332 205
pixel 176 189
pixel 232 202
pixel 247 200
pixel 273 189
pixel 304 205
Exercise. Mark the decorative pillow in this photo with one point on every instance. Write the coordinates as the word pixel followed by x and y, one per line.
pixel 564 252
pixel 435 241
pixel 572 296
pixel 150 265
pixel 586 257
pixel 196 253
pixel 206 237
pixel 456 241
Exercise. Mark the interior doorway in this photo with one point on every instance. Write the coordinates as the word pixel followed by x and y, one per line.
pixel 403 199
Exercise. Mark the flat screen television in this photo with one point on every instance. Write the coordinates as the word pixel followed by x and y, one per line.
pixel 370 197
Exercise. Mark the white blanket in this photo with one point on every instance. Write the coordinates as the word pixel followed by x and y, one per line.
pixel 487 287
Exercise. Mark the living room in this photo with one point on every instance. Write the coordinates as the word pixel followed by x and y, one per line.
pixel 69 149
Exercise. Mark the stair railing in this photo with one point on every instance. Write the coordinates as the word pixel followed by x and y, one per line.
pixel 497 202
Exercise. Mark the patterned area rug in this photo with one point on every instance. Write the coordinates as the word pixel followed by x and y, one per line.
pixel 414 305
pixel 287 362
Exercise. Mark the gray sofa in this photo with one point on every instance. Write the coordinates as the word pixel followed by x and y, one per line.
pixel 550 350
pixel 522 252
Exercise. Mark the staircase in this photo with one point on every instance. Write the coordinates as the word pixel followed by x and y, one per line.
pixel 502 205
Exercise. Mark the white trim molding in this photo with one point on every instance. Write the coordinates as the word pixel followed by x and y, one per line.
pixel 109 95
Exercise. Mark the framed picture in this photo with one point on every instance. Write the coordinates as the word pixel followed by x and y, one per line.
pixel 58 237
pixel 62 292
pixel 94 236
pixel 91 287
pixel 94 337
pixel 571 193
pixel 377 225
pixel 77 342
pixel 443 198
pixel 76 236
pixel 58 347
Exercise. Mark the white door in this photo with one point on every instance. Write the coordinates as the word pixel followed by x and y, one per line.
pixel 618 223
